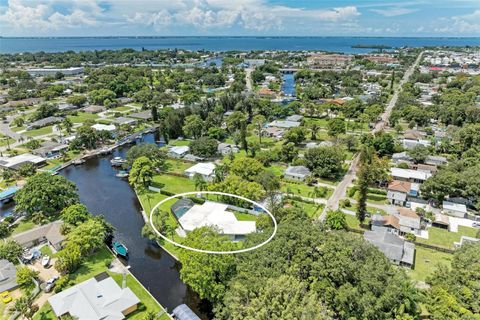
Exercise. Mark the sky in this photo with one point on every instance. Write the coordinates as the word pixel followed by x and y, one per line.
pixel 240 17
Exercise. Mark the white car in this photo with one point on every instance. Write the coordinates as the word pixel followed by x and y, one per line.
pixel 45 261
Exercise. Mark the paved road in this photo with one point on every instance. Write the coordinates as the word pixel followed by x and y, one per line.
pixel 341 189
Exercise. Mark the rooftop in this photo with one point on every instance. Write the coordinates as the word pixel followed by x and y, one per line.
pixel 205 169
pixel 94 300
pixel 215 215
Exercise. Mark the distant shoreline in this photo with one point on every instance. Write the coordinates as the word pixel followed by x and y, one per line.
pixel 236 37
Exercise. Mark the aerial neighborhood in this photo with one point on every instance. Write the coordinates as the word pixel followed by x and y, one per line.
pixel 369 163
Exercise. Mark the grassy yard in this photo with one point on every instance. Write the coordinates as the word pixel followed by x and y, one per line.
pixel 178 143
pixel 444 238
pixel 96 264
pixel 147 302
pixel 22 226
pixel 353 222
pixel 177 166
pixel 303 190
pixel 175 184
pixel 122 108
pixel 242 216
pixel 81 117
pixel 277 169
pixel 426 261
pixel 312 210
pixel 39 132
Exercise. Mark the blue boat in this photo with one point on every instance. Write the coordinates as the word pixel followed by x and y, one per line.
pixel 120 249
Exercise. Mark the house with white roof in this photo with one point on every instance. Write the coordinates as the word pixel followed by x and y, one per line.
pixel 95 300
pixel 454 209
pixel 178 151
pixel 206 170
pixel 409 175
pixel 298 173
pixel 17 161
pixel 213 214
pixel 104 127
pixel 284 124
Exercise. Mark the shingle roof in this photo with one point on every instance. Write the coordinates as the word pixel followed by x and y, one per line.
pixel 50 231
pixel 400 186
pixel 8 275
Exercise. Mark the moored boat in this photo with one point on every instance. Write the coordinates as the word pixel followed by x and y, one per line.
pixel 120 249
pixel 117 161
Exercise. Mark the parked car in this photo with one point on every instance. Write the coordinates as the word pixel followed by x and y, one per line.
pixel 6 297
pixel 45 261
pixel 50 284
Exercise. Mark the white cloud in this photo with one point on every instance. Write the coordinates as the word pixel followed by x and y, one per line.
pixel 394 12
pixel 468 24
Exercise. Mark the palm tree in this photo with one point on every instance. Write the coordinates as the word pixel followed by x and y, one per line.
pixel 200 183
pixel 220 172
pixel 68 125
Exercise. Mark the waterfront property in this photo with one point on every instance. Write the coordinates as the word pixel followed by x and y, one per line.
pixel 48 233
pixel 94 299
pixel 211 214
pixel 18 161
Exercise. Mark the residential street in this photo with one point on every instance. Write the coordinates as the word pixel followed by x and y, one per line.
pixel 341 188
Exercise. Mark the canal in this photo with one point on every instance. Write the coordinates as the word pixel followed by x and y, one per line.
pixel 105 194
pixel 288 85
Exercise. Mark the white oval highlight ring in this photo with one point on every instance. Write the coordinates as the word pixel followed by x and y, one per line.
pixel 209 251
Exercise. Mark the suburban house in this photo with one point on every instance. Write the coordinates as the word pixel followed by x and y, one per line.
pixel 409 221
pixel 399 191
pixel 226 148
pixel 142 115
pixel 411 144
pixel 104 127
pixel 454 209
pixel 94 109
pixel 397 250
pixel 8 276
pixel 435 160
pixel 50 149
pixel 409 175
pixel 53 71
pixel 49 233
pixel 295 118
pixel 401 157
pixel 95 299
pixel 178 151
pixel 43 122
pixel 284 124
pixel 298 173
pixel 17 161
pixel 125 121
pixel 212 214
pixel 206 170
pixel 424 168
pixel 441 221
pixel 275 132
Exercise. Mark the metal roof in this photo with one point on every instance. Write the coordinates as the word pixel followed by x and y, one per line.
pixel 183 312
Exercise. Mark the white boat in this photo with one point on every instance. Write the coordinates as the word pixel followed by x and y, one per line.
pixel 45 261
pixel 78 162
pixel 122 174
pixel 117 161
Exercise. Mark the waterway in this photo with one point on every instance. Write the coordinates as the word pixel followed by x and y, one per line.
pixel 217 43
pixel 288 85
pixel 105 194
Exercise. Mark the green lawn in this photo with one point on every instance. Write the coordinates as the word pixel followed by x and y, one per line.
pixel 175 184
pixel 242 216
pixel 303 190
pixel 426 261
pixel 147 302
pixel 178 143
pixel 122 108
pixel 177 166
pixel 277 169
pixel 312 210
pixel 81 117
pixel 353 222
pixel 96 264
pixel 39 132
pixel 5 141
pixel 444 238
pixel 22 226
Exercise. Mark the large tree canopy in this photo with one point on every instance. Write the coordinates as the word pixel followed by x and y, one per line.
pixel 47 194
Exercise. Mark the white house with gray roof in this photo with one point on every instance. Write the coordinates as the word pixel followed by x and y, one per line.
pixel 95 300
pixel 298 173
